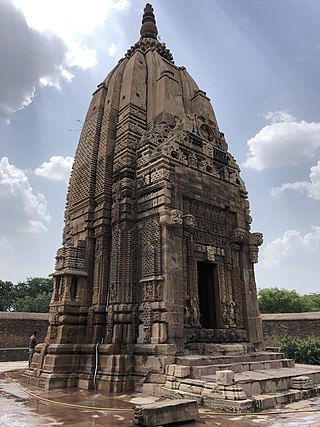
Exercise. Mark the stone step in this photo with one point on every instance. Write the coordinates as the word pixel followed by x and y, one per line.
pixel 271 380
pixel 283 397
pixel 262 401
pixel 204 370
pixel 200 360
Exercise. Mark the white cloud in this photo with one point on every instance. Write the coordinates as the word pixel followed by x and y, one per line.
pixel 71 20
pixel 27 57
pixel 121 4
pixel 40 42
pixel 112 50
pixel 21 210
pixel 286 141
pixel 311 188
pixel 68 19
pixel 291 261
pixel 80 55
pixel 293 250
pixel 58 168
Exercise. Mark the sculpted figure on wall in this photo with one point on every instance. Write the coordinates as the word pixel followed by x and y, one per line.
pixel 229 313
pixel 239 234
pixel 195 315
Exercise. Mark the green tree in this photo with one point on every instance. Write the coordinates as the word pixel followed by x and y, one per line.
pixel 34 295
pixel 274 300
pixel 6 296
pixel 314 299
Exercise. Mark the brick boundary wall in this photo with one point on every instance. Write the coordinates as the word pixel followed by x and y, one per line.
pixel 300 325
pixel 16 328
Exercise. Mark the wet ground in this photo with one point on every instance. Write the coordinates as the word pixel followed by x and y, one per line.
pixel 26 406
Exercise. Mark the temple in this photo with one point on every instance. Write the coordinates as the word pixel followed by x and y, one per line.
pixel 157 258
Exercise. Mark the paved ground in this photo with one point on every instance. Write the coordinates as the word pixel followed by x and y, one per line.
pixel 22 406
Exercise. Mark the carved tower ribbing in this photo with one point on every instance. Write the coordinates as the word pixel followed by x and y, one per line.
pixel 157 251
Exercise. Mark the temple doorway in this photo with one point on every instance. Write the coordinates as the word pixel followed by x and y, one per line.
pixel 207 283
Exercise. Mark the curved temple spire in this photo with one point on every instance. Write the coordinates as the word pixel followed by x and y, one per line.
pixel 148 27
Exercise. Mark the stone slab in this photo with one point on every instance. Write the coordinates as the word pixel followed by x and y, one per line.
pixel 166 412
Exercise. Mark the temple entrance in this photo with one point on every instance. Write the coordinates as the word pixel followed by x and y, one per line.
pixel 207 282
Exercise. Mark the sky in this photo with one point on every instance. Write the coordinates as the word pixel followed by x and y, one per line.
pixel 258 61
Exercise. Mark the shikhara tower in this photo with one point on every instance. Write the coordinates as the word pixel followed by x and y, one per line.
pixel 157 255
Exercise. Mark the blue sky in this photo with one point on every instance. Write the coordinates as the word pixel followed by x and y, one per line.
pixel 258 61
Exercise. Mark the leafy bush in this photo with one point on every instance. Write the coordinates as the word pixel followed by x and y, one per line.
pixel 302 351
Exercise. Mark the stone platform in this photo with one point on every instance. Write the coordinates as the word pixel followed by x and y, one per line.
pixel 240 382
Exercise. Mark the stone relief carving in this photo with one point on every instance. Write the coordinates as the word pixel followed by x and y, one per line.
pixel 187 316
pixel 109 332
pixel 195 313
pixel 114 292
pixel 189 220
pixel 152 291
pixel 229 313
pixel 146 318
pixel 53 332
pixel 256 239
pixel 239 234
pixel 210 253
pixel 172 217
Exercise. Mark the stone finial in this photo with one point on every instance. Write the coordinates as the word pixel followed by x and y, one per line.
pixel 148 27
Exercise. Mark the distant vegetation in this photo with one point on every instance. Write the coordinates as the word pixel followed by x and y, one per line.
pixel 275 300
pixel 33 295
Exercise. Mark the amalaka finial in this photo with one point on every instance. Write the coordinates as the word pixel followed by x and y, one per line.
pixel 148 27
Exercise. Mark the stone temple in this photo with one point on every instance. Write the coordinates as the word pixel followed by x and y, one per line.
pixel 157 258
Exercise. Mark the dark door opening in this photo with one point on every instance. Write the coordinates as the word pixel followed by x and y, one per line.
pixel 206 291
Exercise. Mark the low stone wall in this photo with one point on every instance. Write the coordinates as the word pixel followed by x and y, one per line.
pixel 16 328
pixel 14 354
pixel 300 325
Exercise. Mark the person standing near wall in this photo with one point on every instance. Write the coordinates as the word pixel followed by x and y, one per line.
pixel 32 346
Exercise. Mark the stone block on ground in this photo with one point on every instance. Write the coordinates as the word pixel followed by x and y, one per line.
pixel 178 371
pixel 225 377
pixel 166 412
pixel 181 371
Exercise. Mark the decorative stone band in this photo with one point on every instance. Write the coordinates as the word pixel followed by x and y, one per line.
pixel 302 382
